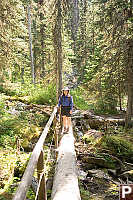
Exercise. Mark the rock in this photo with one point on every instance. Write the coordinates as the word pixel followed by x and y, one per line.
pixel 13 111
pixel 92 133
pixel 34 184
pixel 101 160
pixel 82 174
pixel 113 173
pixel 20 106
pixel 127 175
pixel 80 134
pixel 98 173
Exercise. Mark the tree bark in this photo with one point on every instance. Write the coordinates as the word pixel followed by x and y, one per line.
pixel 58 47
pixel 129 74
pixel 42 31
pixel 129 84
pixel 74 21
pixel 30 44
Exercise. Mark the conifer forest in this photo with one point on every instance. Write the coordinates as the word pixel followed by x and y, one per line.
pixel 86 45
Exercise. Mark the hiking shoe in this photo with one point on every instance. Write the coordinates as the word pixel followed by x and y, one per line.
pixel 67 130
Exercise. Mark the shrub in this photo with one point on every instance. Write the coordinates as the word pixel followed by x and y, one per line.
pixel 79 99
pixel 46 95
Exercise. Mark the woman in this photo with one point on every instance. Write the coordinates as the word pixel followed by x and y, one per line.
pixel 66 104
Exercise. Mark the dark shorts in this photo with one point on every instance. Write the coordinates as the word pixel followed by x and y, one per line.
pixel 65 111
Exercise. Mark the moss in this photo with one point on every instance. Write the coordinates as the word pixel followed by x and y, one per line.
pixel 85 194
pixel 88 139
pixel 118 146
pixel 9 162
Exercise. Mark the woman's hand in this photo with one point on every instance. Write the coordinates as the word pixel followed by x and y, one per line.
pixel 70 111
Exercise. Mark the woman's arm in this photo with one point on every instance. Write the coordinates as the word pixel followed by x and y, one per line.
pixel 71 103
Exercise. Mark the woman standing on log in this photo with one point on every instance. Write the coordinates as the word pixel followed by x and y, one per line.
pixel 66 104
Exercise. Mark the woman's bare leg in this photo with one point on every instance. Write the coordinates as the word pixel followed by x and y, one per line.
pixel 64 121
pixel 68 122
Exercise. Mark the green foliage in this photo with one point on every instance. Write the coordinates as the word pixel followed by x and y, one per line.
pixel 8 162
pixel 79 99
pixel 88 139
pixel 46 95
pixel 118 146
pixel 30 194
pixel 25 126
pixel 7 91
pixel 9 128
pixel 105 106
pixel 85 194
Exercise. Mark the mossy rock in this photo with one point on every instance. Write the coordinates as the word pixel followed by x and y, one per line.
pixel 100 162
pixel 118 146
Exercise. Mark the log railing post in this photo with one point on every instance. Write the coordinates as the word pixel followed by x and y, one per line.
pixel 42 194
pixel 61 121
pixel 56 139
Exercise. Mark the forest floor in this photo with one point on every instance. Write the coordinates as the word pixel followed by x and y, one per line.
pixel 104 154
pixel 101 153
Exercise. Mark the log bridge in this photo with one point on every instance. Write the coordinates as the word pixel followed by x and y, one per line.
pixel 65 184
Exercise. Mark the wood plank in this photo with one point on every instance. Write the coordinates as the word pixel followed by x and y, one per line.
pixel 27 177
pixel 65 185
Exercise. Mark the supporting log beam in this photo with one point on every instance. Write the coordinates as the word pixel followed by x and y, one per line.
pixel 65 185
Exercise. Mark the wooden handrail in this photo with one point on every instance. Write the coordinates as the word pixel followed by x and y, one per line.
pixel 27 177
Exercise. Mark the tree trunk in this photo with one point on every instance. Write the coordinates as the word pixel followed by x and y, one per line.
pixel 22 74
pixel 82 46
pixel 129 73
pixel 129 84
pixel 42 31
pixel 74 21
pixel 58 47
pixel 30 44
pixel 119 95
pixel 65 185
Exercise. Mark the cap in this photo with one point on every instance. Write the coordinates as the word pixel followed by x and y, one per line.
pixel 66 89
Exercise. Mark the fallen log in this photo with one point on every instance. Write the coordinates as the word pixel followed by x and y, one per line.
pixel 65 185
